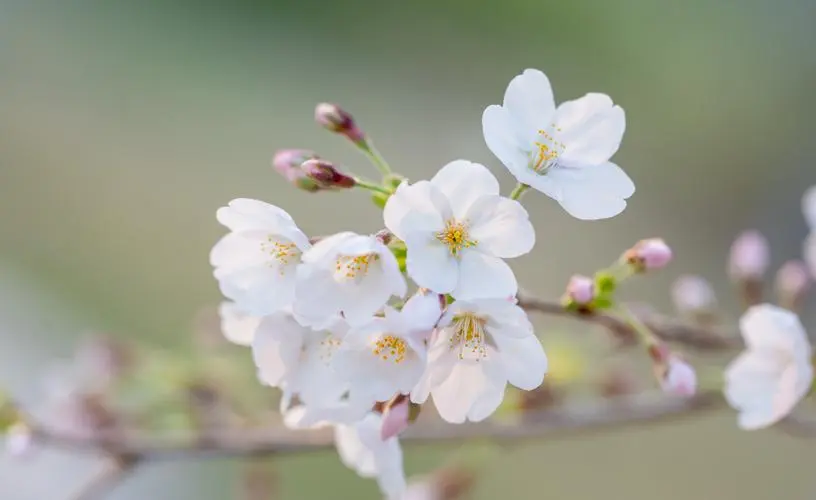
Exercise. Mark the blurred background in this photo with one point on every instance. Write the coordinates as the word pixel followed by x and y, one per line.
pixel 125 125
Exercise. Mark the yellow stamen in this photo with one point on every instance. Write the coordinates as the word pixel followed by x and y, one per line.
pixel 352 267
pixel 549 149
pixel 390 347
pixel 455 236
pixel 469 336
pixel 282 253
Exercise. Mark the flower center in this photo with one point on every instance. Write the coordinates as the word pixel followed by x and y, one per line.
pixel 390 347
pixel 326 348
pixel 547 151
pixel 352 268
pixel 455 236
pixel 282 253
pixel 469 336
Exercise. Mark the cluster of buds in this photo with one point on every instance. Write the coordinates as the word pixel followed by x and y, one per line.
pixel 307 171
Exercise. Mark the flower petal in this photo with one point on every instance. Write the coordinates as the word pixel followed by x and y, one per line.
pixel 595 192
pixel 484 276
pixel 430 263
pixel 238 326
pixel 769 328
pixel 259 290
pixel 497 127
pixel 501 226
pixel 463 182
pixel 524 360
pixel 529 99
pixel 417 207
pixel 471 392
pixel 243 214
pixel 421 312
pixel 591 129
pixel 276 347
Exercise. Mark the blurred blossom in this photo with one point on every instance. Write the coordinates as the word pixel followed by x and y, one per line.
pixel 774 373
pixel 238 326
pixel 693 295
pixel 649 254
pixel 809 207
pixel 679 378
pixel 749 257
pixel 287 162
pixel 362 449
pixel 581 289
pixel 792 283
pixel 562 152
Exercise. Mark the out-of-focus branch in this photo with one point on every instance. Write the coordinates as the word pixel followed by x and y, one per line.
pixel 550 423
pixel 668 329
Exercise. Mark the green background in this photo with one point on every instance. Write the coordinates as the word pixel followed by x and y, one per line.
pixel 124 125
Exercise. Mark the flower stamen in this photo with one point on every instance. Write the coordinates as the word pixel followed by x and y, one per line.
pixel 455 236
pixel 353 267
pixel 390 347
pixel 282 253
pixel 549 149
pixel 469 336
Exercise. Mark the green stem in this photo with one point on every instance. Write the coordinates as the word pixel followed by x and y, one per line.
pixel 519 191
pixel 646 336
pixel 374 155
pixel 376 188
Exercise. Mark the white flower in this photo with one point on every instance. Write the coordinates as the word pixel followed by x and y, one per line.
pixel 563 152
pixel 347 273
pixel 774 373
pixel 346 410
pixel 388 355
pixel 457 230
pixel 298 359
pixel 255 263
pixel 237 326
pixel 361 449
pixel 481 345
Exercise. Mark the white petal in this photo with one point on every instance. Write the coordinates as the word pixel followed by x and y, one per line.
pixel 484 276
pixel 353 453
pixel 750 386
pixel 529 99
pixel 497 127
pixel 809 207
pixel 525 363
pixel 768 328
pixel 417 207
pixel 462 182
pixel 469 393
pixel 596 192
pixel 591 129
pixel 259 290
pixel 430 264
pixel 422 311
pixel 276 347
pixel 315 380
pixel 238 326
pixel 327 248
pixel 501 226
pixel 244 214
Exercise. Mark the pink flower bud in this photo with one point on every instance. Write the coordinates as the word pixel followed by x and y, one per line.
pixel 326 175
pixel 693 295
pixel 749 256
pixel 679 378
pixel 792 283
pixel 395 418
pixel 287 162
pixel 581 289
pixel 335 119
pixel 649 254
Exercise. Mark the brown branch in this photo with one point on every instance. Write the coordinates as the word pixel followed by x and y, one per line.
pixel 551 423
pixel 668 329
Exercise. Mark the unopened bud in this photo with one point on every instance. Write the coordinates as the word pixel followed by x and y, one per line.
pixel 384 236
pixel 326 175
pixel 678 377
pixel 288 162
pixel 581 290
pixel 335 119
pixel 749 256
pixel 395 417
pixel 649 254
pixel 693 296
pixel 792 283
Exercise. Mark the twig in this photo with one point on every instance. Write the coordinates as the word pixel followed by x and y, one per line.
pixel 551 423
pixel 106 480
pixel 668 329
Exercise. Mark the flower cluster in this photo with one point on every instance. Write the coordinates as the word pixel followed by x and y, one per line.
pixel 325 317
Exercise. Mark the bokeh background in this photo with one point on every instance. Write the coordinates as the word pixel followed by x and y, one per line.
pixel 124 125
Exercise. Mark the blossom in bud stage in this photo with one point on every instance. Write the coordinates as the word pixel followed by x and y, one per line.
pixel 363 450
pixel 563 152
pixel 749 257
pixel 395 418
pixel 255 264
pixel 237 326
pixel 581 290
pixel 347 273
pixel 774 373
pixel 298 359
pixel 326 175
pixel 335 119
pixel 792 282
pixel 678 378
pixel 457 229
pixel 388 355
pixel 649 254
pixel 693 295
pixel 479 347
pixel 288 162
